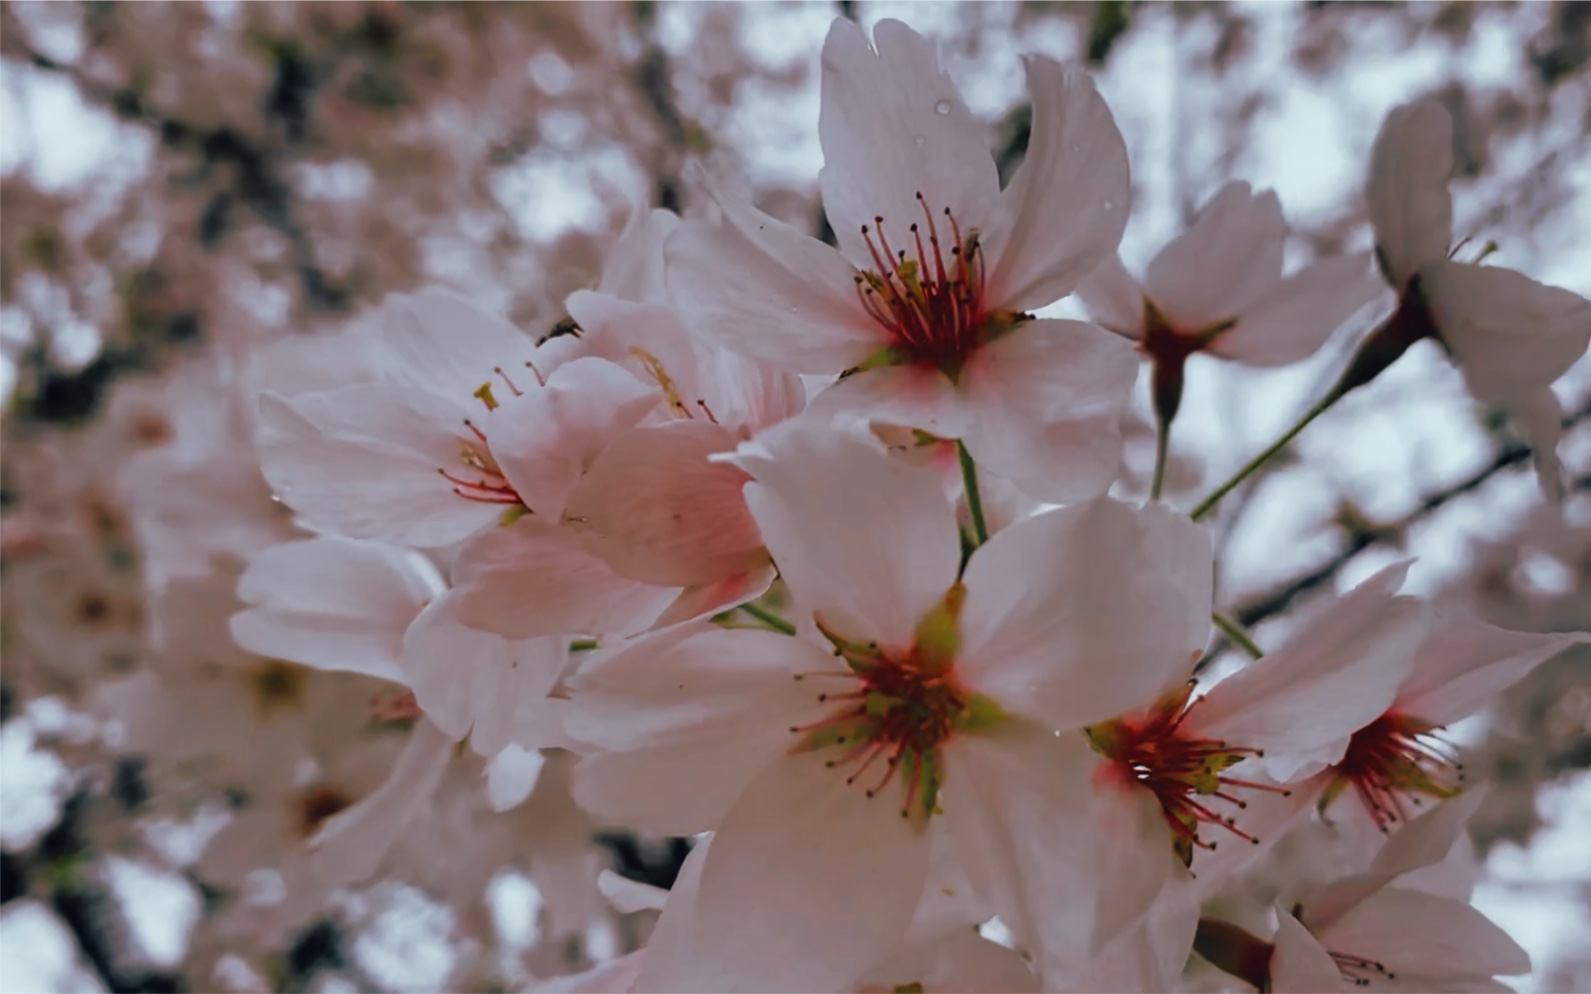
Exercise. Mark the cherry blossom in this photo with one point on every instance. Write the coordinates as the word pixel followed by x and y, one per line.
pixel 827 773
pixel 925 305
pixel 1510 336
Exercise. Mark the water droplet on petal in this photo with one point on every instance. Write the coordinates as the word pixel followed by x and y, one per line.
pixel 942 108
pixel 920 141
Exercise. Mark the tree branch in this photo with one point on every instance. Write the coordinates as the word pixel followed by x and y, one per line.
pixel 1280 599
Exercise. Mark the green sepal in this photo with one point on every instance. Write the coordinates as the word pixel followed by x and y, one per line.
pixel 980 715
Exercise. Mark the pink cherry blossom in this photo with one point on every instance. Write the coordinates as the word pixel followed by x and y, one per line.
pixel 925 303
pixel 1218 288
pixel 1510 336
pixel 827 773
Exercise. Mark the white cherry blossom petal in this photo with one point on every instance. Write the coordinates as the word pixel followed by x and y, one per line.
pixel 534 578
pixel 847 870
pixel 1410 207
pixel 1291 321
pixel 1538 418
pixel 655 509
pixel 1226 260
pixel 959 960
pixel 633 267
pixel 352 843
pixel 333 603
pixel 911 396
pixel 770 292
pixel 1086 612
pixel 1508 333
pixel 867 542
pixel 1113 298
pixel 893 126
pixel 437 341
pixel 465 678
pixel 1300 964
pixel 545 438
pixel 1046 401
pixel 1434 937
pixel 511 775
pixel 1066 208
pixel 1133 853
pixel 681 721
pixel 1015 803
pixel 1335 674
pixel 1463 664
pixel 363 461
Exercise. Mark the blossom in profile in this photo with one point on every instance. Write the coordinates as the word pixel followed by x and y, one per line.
pixel 1218 289
pixel 935 708
pixel 1510 336
pixel 1376 930
pixel 924 308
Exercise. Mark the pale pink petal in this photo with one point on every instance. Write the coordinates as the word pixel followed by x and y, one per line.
pixel 770 292
pixel 1292 321
pixel 1113 298
pixel 957 960
pixel 1065 209
pixel 632 269
pixel 1015 803
pixel 333 603
pixel 866 541
pixel 1508 333
pixel 1423 842
pixel 745 394
pixel 511 775
pixel 1228 259
pixel 437 341
pixel 1335 674
pixel 1538 418
pixel 1410 207
pixel 1464 664
pixel 720 595
pixel 545 438
pixel 1083 613
pixel 363 461
pixel 893 126
pixel 1133 854
pixel 1267 818
pixel 647 339
pixel 1046 400
pixel 656 510
pixel 847 870
pixel 911 396
pixel 352 843
pixel 465 678
pixel 533 578
pixel 680 722
pixel 1300 964
pixel 1422 934
pixel 1146 958
pixel 670 951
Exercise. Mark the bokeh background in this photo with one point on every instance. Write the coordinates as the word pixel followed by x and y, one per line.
pixel 186 184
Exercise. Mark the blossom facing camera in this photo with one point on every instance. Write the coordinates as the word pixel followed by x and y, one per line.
pixel 923 310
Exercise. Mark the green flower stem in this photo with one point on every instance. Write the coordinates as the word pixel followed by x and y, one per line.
pixel 1235 632
pixel 582 645
pixel 770 619
pixel 1208 504
pixel 969 476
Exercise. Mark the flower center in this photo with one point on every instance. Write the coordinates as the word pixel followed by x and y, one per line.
pixel 892 708
pixel 480 479
pixel 932 306
pixel 1185 774
pixel 1394 759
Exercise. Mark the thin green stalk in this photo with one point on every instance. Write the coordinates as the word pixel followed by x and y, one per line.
pixel 770 619
pixel 1208 504
pixel 582 645
pixel 969 476
pixel 1162 446
pixel 1235 632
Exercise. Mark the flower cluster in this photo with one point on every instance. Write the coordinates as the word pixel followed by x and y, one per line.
pixel 807 551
